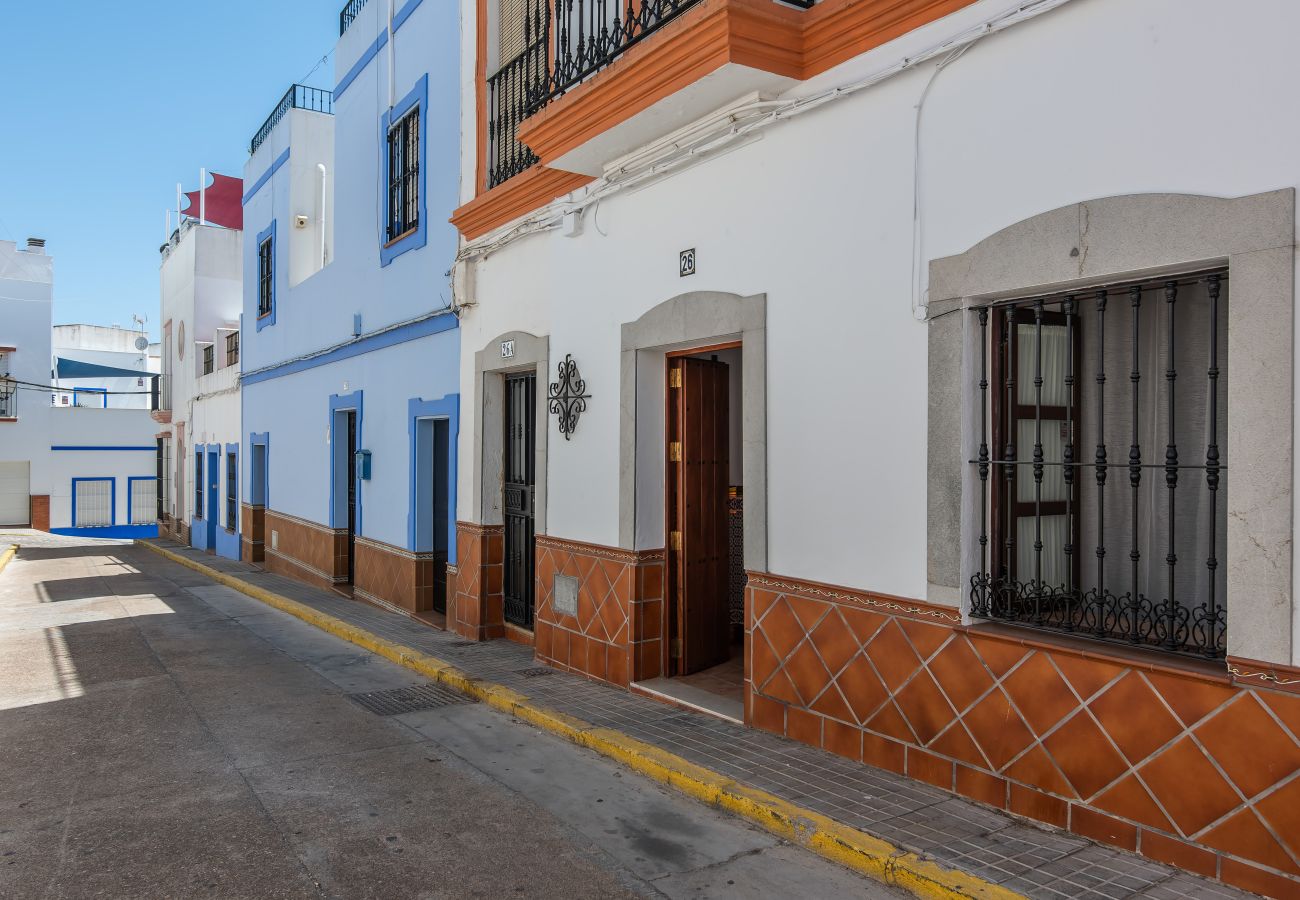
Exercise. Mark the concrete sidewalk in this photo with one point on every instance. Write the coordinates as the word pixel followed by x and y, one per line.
pixel 916 836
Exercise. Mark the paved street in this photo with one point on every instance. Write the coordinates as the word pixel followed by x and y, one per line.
pixel 164 736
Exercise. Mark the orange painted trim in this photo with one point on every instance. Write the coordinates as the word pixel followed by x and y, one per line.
pixel 517 197
pixel 702 40
pixel 756 33
pixel 480 99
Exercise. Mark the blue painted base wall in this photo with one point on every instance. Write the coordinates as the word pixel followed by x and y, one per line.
pixel 111 531
pixel 227 543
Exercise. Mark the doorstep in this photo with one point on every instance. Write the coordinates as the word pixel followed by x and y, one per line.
pixel 923 839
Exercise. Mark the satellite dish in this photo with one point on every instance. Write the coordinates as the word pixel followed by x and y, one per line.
pixel 142 343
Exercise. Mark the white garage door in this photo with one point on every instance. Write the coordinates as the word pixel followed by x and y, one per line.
pixel 15 500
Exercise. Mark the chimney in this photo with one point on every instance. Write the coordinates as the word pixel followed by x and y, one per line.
pixel 35 245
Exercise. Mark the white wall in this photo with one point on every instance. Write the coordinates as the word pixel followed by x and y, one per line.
pixel 1098 98
pixel 26 302
pixel 97 428
pixel 314 310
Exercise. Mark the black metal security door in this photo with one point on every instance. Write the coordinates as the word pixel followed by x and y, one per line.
pixel 517 505
pixel 352 494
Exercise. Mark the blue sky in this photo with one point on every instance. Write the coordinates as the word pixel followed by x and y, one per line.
pixel 106 105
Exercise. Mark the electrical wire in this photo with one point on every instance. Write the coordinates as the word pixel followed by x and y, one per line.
pixel 686 148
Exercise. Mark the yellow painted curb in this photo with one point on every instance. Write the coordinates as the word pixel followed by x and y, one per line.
pixel 6 555
pixel 824 836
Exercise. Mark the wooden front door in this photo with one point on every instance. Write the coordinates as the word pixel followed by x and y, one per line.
pixel 698 472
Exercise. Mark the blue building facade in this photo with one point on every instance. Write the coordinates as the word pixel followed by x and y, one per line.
pixel 351 350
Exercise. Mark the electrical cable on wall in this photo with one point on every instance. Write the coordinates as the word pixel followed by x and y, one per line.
pixel 683 149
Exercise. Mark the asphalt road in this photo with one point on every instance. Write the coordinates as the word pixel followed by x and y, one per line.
pixel 165 736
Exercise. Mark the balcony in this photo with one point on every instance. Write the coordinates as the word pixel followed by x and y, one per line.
pixel 299 96
pixel 594 80
pixel 349 13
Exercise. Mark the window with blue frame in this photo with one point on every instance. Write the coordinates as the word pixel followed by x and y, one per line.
pixel 404 175
pixel 265 275
pixel 402 158
pixel 232 481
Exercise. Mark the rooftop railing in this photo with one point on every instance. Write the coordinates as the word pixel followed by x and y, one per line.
pixel 299 96
pixel 348 13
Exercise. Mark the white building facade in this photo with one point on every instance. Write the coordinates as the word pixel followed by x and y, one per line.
pixel 877 366
pixel 198 448
pixel 76 450
pixel 350 372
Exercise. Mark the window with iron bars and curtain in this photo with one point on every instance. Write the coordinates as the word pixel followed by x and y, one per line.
pixel 1100 469
pixel 8 399
pixel 265 272
pixel 404 175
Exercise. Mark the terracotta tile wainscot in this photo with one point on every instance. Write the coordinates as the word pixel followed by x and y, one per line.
pixel 1182 762
pixel 477 612
pixel 300 549
pixel 615 634
pixel 396 578
pixel 252 533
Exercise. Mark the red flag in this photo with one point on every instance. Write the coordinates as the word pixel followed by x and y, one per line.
pixel 223 203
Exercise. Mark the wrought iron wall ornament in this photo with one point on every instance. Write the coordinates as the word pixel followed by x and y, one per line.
pixel 568 397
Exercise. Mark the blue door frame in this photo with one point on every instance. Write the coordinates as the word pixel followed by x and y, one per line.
pixel 212 509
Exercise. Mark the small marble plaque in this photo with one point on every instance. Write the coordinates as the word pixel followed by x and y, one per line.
pixel 564 596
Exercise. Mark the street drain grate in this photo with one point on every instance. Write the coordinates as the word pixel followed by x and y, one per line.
pixel 537 672
pixel 408 699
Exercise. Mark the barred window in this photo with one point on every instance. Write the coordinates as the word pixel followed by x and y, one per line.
pixel 92 502
pixel 404 175
pixel 232 348
pixel 198 484
pixel 8 399
pixel 144 500
pixel 209 359
pixel 265 276
pixel 1102 415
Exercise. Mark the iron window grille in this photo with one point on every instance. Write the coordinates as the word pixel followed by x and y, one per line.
pixel 404 175
pixel 198 484
pixel 265 274
pixel 232 348
pixel 1047 392
pixel 209 359
pixel 160 472
pixel 8 399
pixel 232 482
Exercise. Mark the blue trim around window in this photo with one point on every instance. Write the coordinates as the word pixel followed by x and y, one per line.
pixel 129 479
pixel 268 232
pixel 266 176
pixel 103 400
pixel 263 439
pixel 418 97
pixel 341 403
pixel 379 340
pixel 112 502
pixel 448 408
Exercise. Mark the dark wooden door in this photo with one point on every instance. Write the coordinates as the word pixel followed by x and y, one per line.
pixel 698 469
pixel 517 500
pixel 350 462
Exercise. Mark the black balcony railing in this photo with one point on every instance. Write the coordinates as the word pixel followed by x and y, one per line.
pixel 590 34
pixel 299 96
pixel 348 13
pixel 513 92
